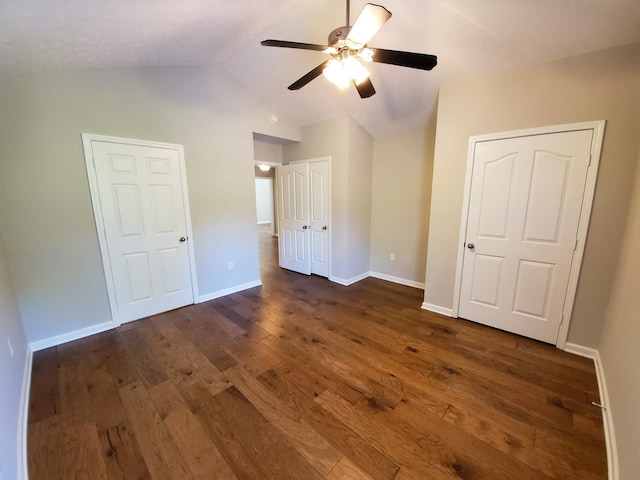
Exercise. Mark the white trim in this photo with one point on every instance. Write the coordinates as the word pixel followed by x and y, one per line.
pixel 23 417
pixel 527 132
pixel 310 160
pixel 228 291
pixel 585 213
pixel 438 309
pixel 349 281
pixel 583 226
pixel 70 336
pixel 576 349
pixel 87 139
pixel 399 280
pixel 607 418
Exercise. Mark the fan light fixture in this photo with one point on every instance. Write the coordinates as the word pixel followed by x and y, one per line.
pixel 347 47
pixel 264 168
pixel 344 71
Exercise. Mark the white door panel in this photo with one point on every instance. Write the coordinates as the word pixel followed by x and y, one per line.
pixel 141 199
pixel 293 201
pixel 319 217
pixel 524 209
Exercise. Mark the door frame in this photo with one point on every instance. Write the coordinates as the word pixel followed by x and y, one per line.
pixel 583 223
pixel 314 160
pixel 87 139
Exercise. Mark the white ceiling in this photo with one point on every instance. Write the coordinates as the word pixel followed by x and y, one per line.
pixel 470 38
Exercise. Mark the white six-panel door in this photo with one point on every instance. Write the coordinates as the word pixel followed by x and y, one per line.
pixel 319 217
pixel 143 211
pixel 304 217
pixel 524 209
pixel 293 219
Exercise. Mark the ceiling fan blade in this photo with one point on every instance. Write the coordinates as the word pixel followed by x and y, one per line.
pixel 422 61
pixel 302 81
pixel 370 20
pixel 365 88
pixel 284 43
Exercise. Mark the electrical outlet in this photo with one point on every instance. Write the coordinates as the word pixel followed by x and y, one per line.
pixel 230 265
pixel 392 257
pixel 11 352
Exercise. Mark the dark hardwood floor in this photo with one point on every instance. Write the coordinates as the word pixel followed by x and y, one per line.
pixel 306 379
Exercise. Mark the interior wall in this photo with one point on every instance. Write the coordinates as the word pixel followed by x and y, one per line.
pixel 53 249
pixel 400 203
pixel 12 369
pixel 603 85
pixel 267 152
pixel 359 171
pixel 619 350
pixel 330 139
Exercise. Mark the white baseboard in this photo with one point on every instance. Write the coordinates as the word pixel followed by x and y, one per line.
pixel 228 291
pixel 70 336
pixel 23 417
pixel 607 419
pixel 399 280
pixel 576 349
pixel 349 281
pixel 103 327
pixel 437 309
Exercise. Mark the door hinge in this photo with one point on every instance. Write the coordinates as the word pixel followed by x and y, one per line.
pixel 590 157
pixel 561 319
pixel 575 246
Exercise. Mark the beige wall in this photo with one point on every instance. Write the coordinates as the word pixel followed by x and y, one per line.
pixel 401 194
pixel 50 233
pixel 602 85
pixel 359 199
pixel 329 139
pixel 350 149
pixel 12 368
pixel 620 345
pixel 267 152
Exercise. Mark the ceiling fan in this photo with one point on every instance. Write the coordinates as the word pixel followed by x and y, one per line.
pixel 348 48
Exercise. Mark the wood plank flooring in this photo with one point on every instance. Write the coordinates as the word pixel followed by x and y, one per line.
pixel 306 379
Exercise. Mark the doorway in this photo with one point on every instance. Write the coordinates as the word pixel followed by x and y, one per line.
pixel 527 205
pixel 264 204
pixel 140 202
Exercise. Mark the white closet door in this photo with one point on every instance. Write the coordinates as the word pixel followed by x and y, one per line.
pixel 142 207
pixel 293 219
pixel 524 209
pixel 319 217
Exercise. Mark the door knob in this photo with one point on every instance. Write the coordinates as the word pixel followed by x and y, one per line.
pixel 470 245
pixel 183 239
pixel 324 228
pixel 304 227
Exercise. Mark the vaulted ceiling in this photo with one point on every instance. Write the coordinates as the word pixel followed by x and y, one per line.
pixel 471 38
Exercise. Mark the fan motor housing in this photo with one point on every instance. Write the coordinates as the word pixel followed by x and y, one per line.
pixel 338 34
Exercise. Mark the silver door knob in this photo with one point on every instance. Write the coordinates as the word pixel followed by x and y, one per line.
pixel 470 245
pixel 324 228
pixel 304 227
pixel 183 239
